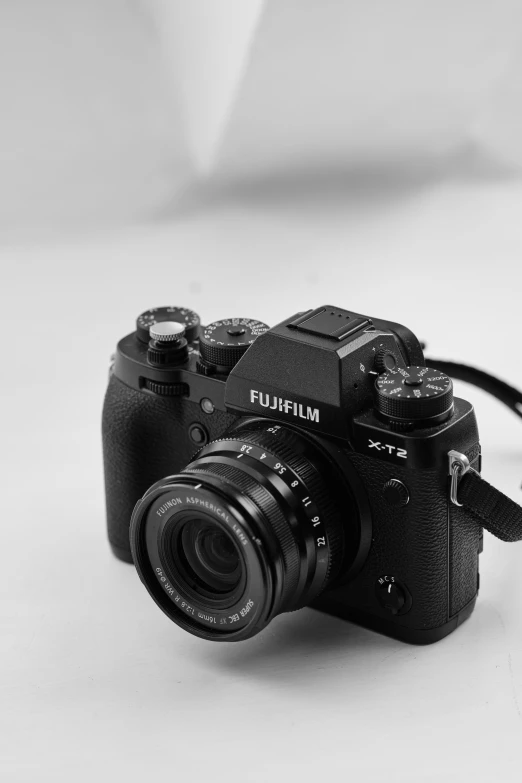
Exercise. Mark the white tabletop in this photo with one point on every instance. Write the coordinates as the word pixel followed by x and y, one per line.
pixel 96 682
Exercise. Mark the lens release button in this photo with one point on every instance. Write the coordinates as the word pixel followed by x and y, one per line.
pixel 396 493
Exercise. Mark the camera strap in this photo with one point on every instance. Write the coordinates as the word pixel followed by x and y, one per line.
pixel 493 510
pixel 464 372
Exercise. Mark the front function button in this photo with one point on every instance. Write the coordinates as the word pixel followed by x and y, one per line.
pixel 392 595
pixel 198 434
pixel 330 322
pixel 413 381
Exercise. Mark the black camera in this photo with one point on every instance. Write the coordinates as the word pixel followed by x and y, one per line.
pixel 314 463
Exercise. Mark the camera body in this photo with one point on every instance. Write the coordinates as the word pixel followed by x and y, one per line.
pixel 332 376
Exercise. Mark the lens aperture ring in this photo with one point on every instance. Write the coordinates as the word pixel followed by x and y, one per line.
pixel 287 445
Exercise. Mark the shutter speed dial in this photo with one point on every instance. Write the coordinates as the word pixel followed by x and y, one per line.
pixel 418 396
pixel 223 343
pixel 181 315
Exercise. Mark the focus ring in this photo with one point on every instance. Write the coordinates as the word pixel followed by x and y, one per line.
pixel 269 508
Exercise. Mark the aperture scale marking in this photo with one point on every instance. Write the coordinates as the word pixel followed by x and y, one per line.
pixel 292 481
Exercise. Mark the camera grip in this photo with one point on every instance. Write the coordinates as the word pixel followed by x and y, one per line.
pixel 430 544
pixel 145 437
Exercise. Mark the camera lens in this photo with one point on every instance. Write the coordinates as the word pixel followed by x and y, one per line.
pixel 210 555
pixel 261 522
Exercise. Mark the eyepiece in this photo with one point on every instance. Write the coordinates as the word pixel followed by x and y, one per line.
pixel 253 527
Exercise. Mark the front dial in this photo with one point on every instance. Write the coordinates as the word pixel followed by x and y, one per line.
pixel 222 343
pixel 416 394
pixel 181 315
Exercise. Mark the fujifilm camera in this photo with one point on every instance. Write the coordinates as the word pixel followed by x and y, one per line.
pixel 311 464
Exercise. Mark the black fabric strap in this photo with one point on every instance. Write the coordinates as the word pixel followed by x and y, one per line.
pixel 463 372
pixel 492 509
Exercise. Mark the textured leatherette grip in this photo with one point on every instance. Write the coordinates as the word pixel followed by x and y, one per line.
pixel 145 437
pixel 430 546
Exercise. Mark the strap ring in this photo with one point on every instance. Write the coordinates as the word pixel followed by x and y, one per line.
pixel 458 467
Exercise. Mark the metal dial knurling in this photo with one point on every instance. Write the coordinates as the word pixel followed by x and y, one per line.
pixel 223 342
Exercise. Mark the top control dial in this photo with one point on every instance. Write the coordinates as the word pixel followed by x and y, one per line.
pixel 385 360
pixel 415 394
pixel 187 318
pixel 222 343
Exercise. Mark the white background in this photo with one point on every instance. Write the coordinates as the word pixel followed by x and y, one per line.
pixel 95 682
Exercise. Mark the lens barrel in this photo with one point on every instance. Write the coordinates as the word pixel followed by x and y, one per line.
pixel 259 523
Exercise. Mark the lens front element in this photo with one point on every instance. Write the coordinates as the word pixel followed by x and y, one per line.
pixel 211 555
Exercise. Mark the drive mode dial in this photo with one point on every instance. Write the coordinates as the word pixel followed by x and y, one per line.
pixel 181 315
pixel 223 343
pixel 420 395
